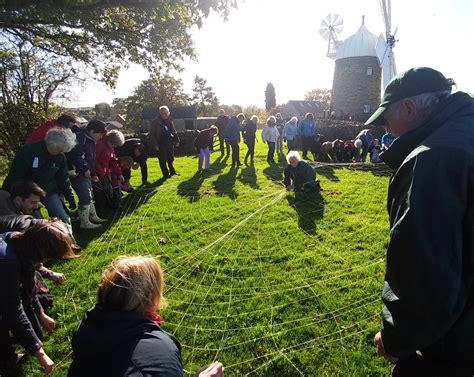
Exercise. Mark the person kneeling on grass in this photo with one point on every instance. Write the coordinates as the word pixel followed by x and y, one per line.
pixel 299 175
pixel 121 335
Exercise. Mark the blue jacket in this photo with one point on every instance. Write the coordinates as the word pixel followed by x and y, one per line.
pixel 366 137
pixel 82 156
pixel 307 127
pixel 233 130
pixel 290 131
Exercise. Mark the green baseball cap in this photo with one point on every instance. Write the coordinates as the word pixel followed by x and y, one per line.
pixel 411 83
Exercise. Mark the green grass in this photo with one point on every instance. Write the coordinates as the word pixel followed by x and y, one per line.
pixel 268 283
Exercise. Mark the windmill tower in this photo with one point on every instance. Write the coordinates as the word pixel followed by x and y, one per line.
pixel 357 76
pixel 384 47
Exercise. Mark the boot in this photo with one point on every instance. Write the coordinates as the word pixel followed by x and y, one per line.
pixel 84 218
pixel 93 215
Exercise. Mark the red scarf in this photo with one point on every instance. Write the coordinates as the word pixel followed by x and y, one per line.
pixel 155 317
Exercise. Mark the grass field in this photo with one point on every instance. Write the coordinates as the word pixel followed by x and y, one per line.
pixel 268 283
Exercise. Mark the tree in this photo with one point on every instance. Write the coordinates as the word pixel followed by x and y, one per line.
pixel 109 34
pixel 158 90
pixel 204 98
pixel 30 79
pixel 270 97
pixel 119 105
pixel 323 96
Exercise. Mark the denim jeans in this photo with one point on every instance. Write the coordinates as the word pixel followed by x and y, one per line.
pixel 83 187
pixel 56 208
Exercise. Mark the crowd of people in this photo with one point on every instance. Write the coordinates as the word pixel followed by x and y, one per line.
pixel 275 132
pixel 428 315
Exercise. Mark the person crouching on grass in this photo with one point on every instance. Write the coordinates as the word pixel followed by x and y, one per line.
pixel 204 143
pixel 121 335
pixel 20 310
pixel 299 175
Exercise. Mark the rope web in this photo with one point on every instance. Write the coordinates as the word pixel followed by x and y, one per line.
pixel 255 277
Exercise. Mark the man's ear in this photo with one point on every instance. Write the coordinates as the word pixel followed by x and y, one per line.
pixel 17 201
pixel 408 109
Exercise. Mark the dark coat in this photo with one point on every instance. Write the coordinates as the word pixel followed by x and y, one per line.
pixel 123 344
pixel 33 162
pixel 204 139
pixel 83 155
pixel 248 132
pixel 17 282
pixel 163 132
pixel 303 173
pixel 429 279
pixel 232 132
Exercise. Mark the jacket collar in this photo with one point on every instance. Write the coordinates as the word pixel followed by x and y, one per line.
pixel 457 104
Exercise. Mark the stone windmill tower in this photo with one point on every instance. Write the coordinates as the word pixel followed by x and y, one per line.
pixel 357 76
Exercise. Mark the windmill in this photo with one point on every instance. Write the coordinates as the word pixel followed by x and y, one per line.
pixel 384 47
pixel 329 29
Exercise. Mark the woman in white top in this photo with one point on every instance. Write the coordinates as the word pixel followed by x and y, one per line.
pixel 270 136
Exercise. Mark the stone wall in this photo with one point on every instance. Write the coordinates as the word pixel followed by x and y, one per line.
pixel 353 88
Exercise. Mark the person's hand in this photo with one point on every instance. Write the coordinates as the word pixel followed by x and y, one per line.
pixel 289 187
pixel 381 349
pixel 87 174
pixel 95 179
pixel 216 369
pixel 57 277
pixel 121 179
pixel 44 360
pixel 157 148
pixel 46 321
pixel 135 165
pixel 72 205
pixel 177 144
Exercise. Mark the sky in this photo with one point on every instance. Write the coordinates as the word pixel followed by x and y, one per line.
pixel 278 41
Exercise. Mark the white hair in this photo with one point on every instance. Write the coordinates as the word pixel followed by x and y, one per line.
pixel 293 154
pixel 254 117
pixel 165 108
pixel 115 138
pixel 271 117
pixel 62 138
pixel 358 143
pixel 294 120
pixel 423 101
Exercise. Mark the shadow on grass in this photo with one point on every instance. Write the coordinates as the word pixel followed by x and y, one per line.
pixel 309 207
pixel 274 172
pixel 249 177
pixel 327 171
pixel 130 203
pixel 224 184
pixel 377 169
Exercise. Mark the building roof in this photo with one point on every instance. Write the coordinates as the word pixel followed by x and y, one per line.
pixel 361 43
pixel 303 107
pixel 179 112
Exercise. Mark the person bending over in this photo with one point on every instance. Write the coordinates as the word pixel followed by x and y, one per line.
pixel 19 255
pixel 299 175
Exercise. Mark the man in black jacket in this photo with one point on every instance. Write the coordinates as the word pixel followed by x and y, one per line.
pixel 163 137
pixel 428 294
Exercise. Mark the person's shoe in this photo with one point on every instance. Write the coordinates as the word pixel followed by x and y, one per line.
pixel 93 215
pixel 174 173
pixel 84 218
